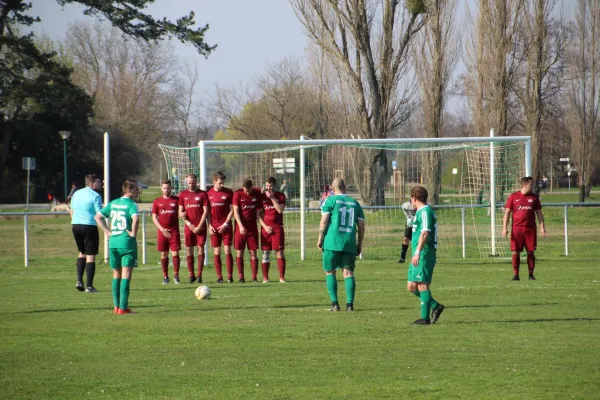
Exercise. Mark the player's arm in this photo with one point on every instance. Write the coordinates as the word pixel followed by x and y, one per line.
pixel 540 218
pixel 420 244
pixel 279 207
pixel 135 223
pixel 262 222
pixel 507 213
pixel 203 218
pixel 360 224
pixel 181 212
pixel 101 221
pixel 238 219
pixel 322 229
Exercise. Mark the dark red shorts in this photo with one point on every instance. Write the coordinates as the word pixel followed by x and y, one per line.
pixel 164 244
pixel 224 238
pixel 250 239
pixel 274 241
pixel 521 236
pixel 194 239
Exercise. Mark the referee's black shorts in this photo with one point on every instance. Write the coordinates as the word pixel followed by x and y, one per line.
pixel 408 232
pixel 86 238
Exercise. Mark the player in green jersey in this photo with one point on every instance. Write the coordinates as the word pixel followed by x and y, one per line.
pixel 341 218
pixel 424 244
pixel 124 222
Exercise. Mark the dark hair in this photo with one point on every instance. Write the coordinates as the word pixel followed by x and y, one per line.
pixel 272 180
pixel 525 180
pixel 419 193
pixel 218 175
pixel 129 185
pixel 90 179
pixel 247 183
pixel 166 182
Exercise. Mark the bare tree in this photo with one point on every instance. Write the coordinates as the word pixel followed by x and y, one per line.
pixel 368 41
pixel 584 94
pixel 542 50
pixel 435 56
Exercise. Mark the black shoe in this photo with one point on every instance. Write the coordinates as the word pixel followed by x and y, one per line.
pixel 401 261
pixel 531 278
pixel 422 322
pixel 435 314
pixel 192 279
pixel 166 280
pixel 80 286
pixel 254 280
pixel 349 307
pixel 242 280
pixel 220 280
pixel 176 279
pixel 516 278
pixel 199 279
pixel 229 280
pixel 335 306
pixel 90 289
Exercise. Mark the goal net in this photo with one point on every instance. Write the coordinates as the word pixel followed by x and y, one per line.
pixel 461 180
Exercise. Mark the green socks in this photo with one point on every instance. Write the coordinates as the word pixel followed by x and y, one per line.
pixel 417 293
pixel 350 289
pixel 426 300
pixel 124 300
pixel 116 283
pixel 331 282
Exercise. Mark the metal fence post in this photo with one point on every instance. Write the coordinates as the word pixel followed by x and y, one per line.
pixel 26 229
pixel 143 238
pixel 566 230
pixel 463 229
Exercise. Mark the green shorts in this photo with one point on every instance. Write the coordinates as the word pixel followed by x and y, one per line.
pixel 334 260
pixel 424 271
pixel 123 258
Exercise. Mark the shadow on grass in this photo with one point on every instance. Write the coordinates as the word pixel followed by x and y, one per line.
pixel 534 320
pixel 74 309
pixel 505 305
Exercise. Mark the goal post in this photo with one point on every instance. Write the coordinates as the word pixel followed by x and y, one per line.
pixel 490 167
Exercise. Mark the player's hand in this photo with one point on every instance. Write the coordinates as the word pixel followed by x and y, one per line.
pixel 213 230
pixel 415 260
pixel 505 232
pixel 269 230
pixel 269 194
pixel 196 229
pixel 543 231
pixel 320 246
pixel 166 233
pixel 222 228
pixel 358 249
pixel 242 230
pixel 182 215
pixel 130 233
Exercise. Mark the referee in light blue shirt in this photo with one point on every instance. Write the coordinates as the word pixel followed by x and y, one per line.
pixel 85 203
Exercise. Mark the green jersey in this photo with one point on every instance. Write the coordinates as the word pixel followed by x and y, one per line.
pixel 344 212
pixel 120 212
pixel 425 220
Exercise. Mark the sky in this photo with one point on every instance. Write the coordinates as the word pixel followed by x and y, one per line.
pixel 249 34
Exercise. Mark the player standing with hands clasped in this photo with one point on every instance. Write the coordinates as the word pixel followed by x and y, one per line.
pixel 273 236
pixel 424 248
pixel 193 208
pixel 221 231
pixel 524 205
pixel 124 222
pixel 341 218
pixel 165 217
pixel 409 212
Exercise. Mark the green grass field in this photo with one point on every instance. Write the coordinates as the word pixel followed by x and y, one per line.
pixel 497 339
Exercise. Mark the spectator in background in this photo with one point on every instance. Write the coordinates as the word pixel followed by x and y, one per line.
pixel 72 192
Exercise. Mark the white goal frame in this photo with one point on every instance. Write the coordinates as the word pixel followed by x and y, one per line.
pixel 389 141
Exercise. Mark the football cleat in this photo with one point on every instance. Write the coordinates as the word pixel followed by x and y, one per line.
pixel 516 278
pixel 116 310
pixel 421 321
pixel 335 306
pixel 265 281
pixel 220 280
pixel 281 280
pixel 165 280
pixel 192 279
pixel 254 280
pixel 230 280
pixel 531 278
pixel 80 286
pixel 435 314
pixel 90 289
pixel 199 279
pixel 242 280
pixel 125 311
pixel 402 260
pixel 176 279
pixel 349 307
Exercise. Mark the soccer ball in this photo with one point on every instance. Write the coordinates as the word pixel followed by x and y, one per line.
pixel 202 293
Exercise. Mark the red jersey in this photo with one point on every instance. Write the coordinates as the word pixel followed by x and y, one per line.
pixel 523 207
pixel 166 212
pixel 219 205
pixel 248 204
pixel 193 204
pixel 271 216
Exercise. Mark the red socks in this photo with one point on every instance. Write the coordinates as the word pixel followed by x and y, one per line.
pixel 281 267
pixel 200 265
pixel 265 270
pixel 229 263
pixel 190 265
pixel 176 263
pixel 164 264
pixel 254 266
pixel 218 267
pixel 516 263
pixel 530 263
pixel 240 266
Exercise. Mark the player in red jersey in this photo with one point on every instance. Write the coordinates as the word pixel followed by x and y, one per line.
pixel 247 203
pixel 193 208
pixel 272 235
pixel 221 213
pixel 524 205
pixel 165 217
